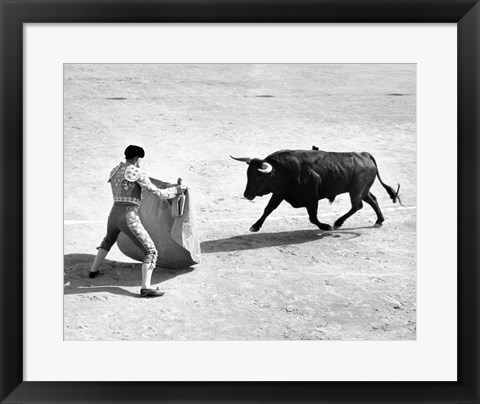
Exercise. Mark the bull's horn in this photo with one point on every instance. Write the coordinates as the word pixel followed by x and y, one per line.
pixel 266 168
pixel 243 159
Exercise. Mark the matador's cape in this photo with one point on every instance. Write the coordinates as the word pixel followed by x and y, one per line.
pixel 175 238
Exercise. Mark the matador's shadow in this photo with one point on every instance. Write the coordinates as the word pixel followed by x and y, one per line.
pixel 253 241
pixel 115 276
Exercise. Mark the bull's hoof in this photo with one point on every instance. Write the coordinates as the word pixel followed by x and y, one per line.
pixel 336 227
pixel 325 227
pixel 254 229
pixel 377 225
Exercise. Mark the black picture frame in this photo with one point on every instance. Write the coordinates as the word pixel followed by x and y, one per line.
pixel 14 13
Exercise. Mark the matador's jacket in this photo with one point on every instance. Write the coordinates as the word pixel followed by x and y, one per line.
pixel 127 182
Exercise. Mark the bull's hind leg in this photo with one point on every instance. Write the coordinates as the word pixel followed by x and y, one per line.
pixel 357 204
pixel 372 201
pixel 312 215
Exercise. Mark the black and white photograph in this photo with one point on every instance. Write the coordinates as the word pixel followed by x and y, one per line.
pixel 240 202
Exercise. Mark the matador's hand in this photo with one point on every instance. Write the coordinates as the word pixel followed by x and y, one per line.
pixel 181 189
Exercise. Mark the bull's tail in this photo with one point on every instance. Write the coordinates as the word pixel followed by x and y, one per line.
pixel 391 192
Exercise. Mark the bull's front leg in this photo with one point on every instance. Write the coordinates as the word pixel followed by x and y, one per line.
pixel 273 203
pixel 312 215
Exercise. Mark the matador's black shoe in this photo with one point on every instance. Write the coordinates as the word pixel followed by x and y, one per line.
pixel 151 292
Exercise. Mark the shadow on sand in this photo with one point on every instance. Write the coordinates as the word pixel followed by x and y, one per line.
pixel 114 276
pixel 262 240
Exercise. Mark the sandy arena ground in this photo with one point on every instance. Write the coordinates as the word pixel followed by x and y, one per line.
pixel 290 281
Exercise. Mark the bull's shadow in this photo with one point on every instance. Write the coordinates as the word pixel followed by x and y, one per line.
pixel 261 240
pixel 115 276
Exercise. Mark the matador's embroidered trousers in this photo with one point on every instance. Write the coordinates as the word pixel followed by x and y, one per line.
pixel 125 218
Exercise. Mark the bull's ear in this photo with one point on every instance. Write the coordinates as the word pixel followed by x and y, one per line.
pixel 243 159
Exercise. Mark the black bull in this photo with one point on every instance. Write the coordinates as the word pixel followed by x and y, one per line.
pixel 303 177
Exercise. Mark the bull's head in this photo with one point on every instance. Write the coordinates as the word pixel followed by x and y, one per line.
pixel 259 177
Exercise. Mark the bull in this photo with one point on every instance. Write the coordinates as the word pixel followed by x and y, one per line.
pixel 304 177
